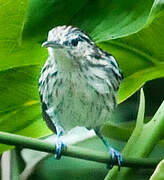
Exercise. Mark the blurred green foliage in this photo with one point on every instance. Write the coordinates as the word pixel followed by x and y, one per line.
pixel 130 30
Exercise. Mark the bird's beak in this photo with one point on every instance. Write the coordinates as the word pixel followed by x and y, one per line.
pixel 52 44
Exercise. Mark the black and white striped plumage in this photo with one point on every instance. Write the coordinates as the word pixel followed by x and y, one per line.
pixel 79 81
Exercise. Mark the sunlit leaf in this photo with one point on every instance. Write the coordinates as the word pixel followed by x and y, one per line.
pixel 159 172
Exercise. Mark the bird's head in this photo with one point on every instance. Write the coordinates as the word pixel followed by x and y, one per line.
pixel 67 42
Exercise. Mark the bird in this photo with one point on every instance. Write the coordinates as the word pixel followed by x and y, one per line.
pixel 78 85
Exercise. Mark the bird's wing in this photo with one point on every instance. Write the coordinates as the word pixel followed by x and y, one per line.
pixel 44 91
pixel 104 77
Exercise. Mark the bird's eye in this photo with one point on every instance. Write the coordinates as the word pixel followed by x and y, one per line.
pixel 74 42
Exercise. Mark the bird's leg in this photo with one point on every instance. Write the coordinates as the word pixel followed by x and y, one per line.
pixel 59 143
pixel 116 155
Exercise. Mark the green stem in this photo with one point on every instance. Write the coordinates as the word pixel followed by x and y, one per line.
pixel 16 164
pixel 142 141
pixel 73 151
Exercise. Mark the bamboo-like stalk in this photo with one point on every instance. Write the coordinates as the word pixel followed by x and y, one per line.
pixel 74 151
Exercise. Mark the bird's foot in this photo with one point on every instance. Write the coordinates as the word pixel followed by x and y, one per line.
pixel 59 148
pixel 116 156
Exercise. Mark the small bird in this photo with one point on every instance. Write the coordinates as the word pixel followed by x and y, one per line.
pixel 78 84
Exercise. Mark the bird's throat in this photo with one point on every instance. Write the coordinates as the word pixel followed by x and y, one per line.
pixel 64 61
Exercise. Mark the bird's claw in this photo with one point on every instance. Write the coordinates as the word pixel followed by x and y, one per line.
pixel 116 155
pixel 59 148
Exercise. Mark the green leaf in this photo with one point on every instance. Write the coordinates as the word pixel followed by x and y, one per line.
pixel 141 142
pixel 120 132
pixel 159 172
pixel 11 22
pixel 11 26
pixel 156 9
pixel 20 109
pixel 140 56
pixel 44 15
pixel 139 126
pixel 106 20
pixel 141 111
pixel 103 20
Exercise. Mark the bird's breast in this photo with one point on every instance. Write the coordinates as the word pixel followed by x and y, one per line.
pixel 76 103
pixel 75 98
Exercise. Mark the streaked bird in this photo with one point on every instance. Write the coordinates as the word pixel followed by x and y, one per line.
pixel 78 84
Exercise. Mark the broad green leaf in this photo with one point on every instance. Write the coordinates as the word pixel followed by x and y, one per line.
pixel 19 100
pixel 12 16
pixel 11 22
pixel 29 53
pixel 44 15
pixel 140 56
pixel 102 19
pixel 20 110
pixel 106 20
